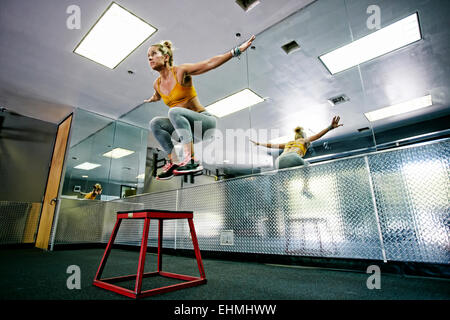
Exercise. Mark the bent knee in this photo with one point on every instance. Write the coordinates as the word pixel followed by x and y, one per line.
pixel 175 112
pixel 156 122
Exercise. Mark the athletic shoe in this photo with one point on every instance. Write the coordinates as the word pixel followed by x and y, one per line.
pixel 167 171
pixel 188 165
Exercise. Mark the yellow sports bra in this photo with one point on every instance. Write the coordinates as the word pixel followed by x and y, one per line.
pixel 179 93
pixel 90 196
pixel 296 144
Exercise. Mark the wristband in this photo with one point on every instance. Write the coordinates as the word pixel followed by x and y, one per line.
pixel 330 127
pixel 235 52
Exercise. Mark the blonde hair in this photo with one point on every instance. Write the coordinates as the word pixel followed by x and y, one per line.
pixel 165 47
pixel 299 133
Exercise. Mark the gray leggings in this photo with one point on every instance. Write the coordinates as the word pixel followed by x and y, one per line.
pixel 289 159
pixel 185 122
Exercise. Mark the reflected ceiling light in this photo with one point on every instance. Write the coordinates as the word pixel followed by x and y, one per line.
pixel 114 36
pixel 141 176
pixel 237 101
pixel 118 153
pixel 400 108
pixel 85 176
pixel 378 43
pixel 87 166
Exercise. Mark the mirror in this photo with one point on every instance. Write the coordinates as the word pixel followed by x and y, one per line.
pixel 415 75
pixel 106 152
pixel 287 67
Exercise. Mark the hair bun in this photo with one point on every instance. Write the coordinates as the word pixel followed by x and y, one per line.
pixel 167 44
pixel 298 129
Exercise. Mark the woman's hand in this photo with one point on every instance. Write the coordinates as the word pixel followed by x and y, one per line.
pixel 152 99
pixel 246 44
pixel 335 122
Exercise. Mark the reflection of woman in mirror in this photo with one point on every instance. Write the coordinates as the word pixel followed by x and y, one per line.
pixel 294 151
pixel 97 190
pixel 176 88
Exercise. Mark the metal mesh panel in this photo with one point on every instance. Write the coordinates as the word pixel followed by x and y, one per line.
pixel 82 221
pixel 329 211
pixel 160 200
pixel 412 195
pixel 208 204
pixel 13 218
pixel 129 233
pixel 304 211
pixel 164 201
pixel 79 221
pixel 394 202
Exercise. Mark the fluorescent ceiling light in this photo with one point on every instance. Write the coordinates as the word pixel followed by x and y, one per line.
pixel 238 101
pixel 400 108
pixel 115 35
pixel 87 166
pixel 118 153
pixel 378 43
pixel 85 176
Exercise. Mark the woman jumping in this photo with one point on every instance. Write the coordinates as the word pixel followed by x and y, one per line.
pixel 175 87
pixel 294 151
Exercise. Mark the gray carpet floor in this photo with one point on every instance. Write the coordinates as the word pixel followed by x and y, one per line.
pixel 32 274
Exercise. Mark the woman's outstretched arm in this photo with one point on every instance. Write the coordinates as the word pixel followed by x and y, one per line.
pixel 270 145
pixel 192 69
pixel 334 124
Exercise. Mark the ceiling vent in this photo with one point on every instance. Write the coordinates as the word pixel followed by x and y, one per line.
pixel 247 5
pixel 363 129
pixel 290 47
pixel 338 100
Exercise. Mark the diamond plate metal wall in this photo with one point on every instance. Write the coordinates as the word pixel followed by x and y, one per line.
pixel 412 190
pixel 82 221
pixel 208 204
pixel 13 217
pixel 166 200
pixel 329 211
pixel 323 210
pixel 391 204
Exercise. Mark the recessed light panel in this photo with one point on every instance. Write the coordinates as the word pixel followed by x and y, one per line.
pixel 238 101
pixel 87 166
pixel 400 108
pixel 118 153
pixel 378 43
pixel 116 34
